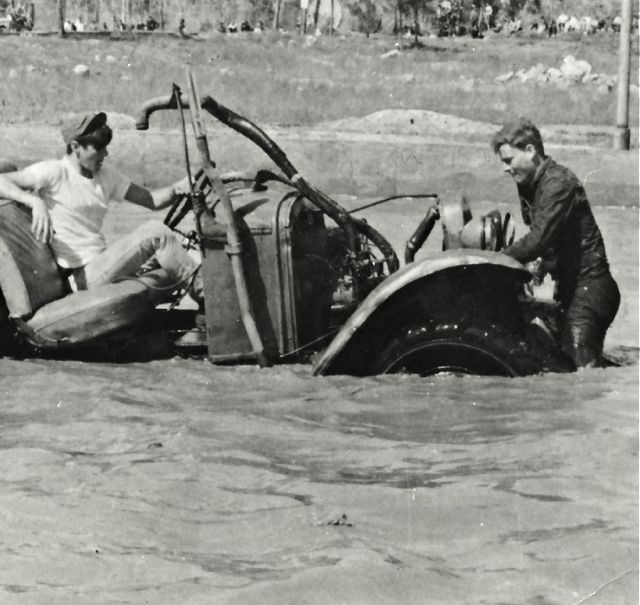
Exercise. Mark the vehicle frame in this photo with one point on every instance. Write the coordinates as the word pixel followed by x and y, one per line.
pixel 290 275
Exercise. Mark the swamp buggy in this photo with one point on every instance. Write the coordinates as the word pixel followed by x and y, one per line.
pixel 289 275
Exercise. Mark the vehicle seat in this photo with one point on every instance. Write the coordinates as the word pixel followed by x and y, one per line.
pixel 37 298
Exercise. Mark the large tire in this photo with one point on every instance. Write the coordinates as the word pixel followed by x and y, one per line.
pixel 464 319
pixel 484 350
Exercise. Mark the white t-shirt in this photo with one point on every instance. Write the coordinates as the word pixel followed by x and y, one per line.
pixel 77 206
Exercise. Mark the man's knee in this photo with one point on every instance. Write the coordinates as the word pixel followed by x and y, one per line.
pixel 153 229
pixel 154 234
pixel 583 334
pixel 587 320
pixel 587 341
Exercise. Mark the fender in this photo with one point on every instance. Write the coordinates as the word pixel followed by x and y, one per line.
pixel 353 333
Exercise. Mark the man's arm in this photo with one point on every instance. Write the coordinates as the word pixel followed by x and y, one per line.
pixel 554 206
pixel 525 211
pixel 15 186
pixel 157 198
pixel 165 196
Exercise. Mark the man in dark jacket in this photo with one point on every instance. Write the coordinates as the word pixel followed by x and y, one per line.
pixel 563 237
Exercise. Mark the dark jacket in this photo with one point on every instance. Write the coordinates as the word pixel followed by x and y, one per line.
pixel 563 231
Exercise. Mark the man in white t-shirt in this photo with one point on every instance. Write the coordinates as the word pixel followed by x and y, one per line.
pixel 69 198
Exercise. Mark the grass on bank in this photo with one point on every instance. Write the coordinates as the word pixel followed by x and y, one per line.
pixel 278 80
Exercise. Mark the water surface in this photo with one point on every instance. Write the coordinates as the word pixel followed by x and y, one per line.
pixel 176 481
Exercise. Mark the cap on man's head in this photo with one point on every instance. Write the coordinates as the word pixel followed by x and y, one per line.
pixel 82 124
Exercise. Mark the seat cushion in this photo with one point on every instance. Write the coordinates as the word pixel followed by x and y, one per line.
pixel 29 275
pixel 89 314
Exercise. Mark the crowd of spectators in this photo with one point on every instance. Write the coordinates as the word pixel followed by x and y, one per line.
pixel 453 19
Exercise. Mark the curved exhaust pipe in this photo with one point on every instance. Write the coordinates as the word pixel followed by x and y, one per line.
pixel 254 133
pixel 153 105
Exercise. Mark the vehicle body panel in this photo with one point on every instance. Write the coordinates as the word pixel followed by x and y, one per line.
pixel 414 274
pixel 284 240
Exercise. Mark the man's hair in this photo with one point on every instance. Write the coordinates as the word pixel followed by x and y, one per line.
pixel 100 137
pixel 519 134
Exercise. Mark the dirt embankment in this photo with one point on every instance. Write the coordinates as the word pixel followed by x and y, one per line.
pixel 385 153
pixel 446 127
pixel 427 123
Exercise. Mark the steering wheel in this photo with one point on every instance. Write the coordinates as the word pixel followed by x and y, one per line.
pixel 202 189
pixel 184 203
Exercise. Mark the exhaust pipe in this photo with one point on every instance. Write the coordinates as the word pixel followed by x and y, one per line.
pixel 260 138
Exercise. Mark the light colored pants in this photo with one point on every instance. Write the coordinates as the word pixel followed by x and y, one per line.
pixel 125 257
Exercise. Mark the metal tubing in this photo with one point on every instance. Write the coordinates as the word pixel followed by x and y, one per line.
pixel 401 196
pixel 187 163
pixel 255 134
pixel 156 104
pixel 417 240
pixel 233 239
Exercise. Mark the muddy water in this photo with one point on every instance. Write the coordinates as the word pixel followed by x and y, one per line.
pixel 179 482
